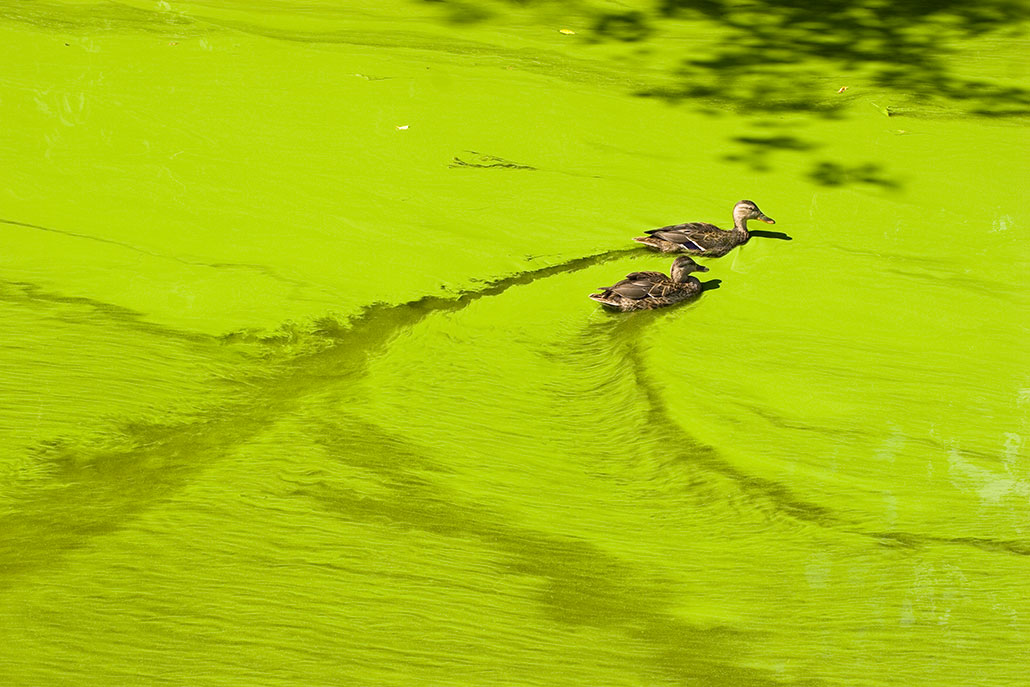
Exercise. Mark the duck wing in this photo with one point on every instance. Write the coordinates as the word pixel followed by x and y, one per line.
pixel 634 289
pixel 693 235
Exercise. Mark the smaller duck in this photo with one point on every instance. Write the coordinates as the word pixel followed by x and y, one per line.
pixel 699 238
pixel 650 290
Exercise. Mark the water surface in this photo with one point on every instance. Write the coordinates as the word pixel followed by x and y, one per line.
pixel 301 384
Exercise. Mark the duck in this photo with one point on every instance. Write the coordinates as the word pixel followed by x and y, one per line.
pixel 699 238
pixel 650 290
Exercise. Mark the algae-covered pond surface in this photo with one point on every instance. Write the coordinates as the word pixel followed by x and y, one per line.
pixel 301 384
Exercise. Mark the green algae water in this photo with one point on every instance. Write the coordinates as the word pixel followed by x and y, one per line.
pixel 301 384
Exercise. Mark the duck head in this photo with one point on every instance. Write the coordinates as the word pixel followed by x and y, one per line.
pixel 683 266
pixel 745 210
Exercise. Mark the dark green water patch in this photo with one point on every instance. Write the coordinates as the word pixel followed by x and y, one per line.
pixel 581 584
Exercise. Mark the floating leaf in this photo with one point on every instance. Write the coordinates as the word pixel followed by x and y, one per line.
pixel 483 161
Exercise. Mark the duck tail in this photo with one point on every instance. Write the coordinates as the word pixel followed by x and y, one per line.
pixel 606 298
pixel 655 243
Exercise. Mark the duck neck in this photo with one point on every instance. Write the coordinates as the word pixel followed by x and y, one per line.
pixel 681 275
pixel 740 230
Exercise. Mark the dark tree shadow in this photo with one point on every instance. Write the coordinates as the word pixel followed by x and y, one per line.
pixel 628 27
pixel 778 54
pixel 775 57
pixel 757 150
pixel 834 174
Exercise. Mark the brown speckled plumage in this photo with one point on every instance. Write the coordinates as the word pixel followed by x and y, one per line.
pixel 699 238
pixel 650 290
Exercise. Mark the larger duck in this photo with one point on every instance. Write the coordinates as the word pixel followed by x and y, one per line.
pixel 699 238
pixel 650 290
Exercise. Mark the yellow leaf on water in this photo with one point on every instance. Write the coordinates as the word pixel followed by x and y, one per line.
pixel 567 32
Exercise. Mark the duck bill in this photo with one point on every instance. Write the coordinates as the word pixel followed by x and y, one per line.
pixel 702 268
pixel 767 220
